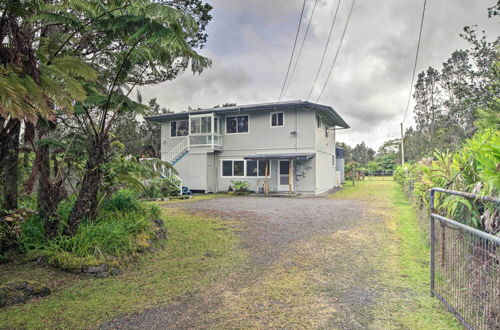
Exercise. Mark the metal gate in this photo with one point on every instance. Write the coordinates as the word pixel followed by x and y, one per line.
pixel 465 267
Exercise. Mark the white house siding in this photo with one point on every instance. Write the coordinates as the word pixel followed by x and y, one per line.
pixel 193 171
pixel 262 138
pixel 211 173
pixel 325 172
pixel 325 159
pixel 305 176
pixel 201 168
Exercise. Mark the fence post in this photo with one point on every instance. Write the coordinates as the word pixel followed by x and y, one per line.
pixel 432 238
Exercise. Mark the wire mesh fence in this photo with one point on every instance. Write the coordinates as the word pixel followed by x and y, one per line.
pixel 465 269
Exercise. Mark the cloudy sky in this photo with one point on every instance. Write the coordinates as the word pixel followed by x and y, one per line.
pixel 250 43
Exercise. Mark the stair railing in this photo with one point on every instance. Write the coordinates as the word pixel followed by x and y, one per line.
pixel 172 175
pixel 177 150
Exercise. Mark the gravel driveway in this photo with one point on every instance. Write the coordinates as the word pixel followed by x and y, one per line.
pixel 301 268
pixel 272 224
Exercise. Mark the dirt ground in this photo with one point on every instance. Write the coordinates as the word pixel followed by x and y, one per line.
pixel 311 263
pixel 291 274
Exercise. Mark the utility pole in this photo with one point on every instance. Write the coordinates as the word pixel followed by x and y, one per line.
pixel 402 146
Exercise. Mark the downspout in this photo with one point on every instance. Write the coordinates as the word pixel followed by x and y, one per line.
pixel 296 133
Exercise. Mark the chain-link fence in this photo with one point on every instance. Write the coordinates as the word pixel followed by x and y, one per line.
pixel 465 268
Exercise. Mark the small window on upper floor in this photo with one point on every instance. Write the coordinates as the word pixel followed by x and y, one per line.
pixel 277 119
pixel 179 128
pixel 326 132
pixel 201 125
pixel 237 124
pixel 318 121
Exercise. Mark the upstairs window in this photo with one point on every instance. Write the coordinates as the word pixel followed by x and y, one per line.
pixel 318 121
pixel 277 119
pixel 179 128
pixel 237 124
pixel 201 125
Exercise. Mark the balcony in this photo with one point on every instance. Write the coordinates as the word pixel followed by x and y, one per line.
pixel 206 140
pixel 205 131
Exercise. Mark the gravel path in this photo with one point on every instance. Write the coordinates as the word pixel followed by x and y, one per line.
pixel 301 241
pixel 272 224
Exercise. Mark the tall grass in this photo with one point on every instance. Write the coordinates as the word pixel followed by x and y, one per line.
pixel 113 234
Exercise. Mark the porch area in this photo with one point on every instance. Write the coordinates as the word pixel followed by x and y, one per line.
pixel 287 170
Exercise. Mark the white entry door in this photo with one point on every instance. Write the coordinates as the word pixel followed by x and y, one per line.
pixel 284 175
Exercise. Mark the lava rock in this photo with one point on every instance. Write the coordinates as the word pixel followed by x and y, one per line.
pixel 19 291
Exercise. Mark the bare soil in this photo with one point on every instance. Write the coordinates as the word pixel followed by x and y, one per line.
pixel 309 265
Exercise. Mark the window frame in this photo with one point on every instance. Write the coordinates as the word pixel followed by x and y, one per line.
pixel 236 116
pixel 199 118
pixel 176 125
pixel 271 119
pixel 245 176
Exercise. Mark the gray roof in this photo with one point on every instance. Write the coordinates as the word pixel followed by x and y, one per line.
pixel 327 113
pixel 296 155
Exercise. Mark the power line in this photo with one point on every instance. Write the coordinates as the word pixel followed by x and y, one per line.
pixel 302 45
pixel 416 60
pixel 324 52
pixel 293 50
pixel 338 51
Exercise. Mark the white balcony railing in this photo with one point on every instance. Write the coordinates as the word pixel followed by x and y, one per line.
pixel 206 140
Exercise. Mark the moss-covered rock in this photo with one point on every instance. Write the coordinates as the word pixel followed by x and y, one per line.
pixel 19 291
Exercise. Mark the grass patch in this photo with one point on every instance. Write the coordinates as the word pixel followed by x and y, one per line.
pixel 195 198
pixel 196 254
pixel 404 260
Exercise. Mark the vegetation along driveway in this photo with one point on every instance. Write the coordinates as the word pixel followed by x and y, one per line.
pixel 354 260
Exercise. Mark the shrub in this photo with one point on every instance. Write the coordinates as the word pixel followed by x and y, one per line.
pixel 472 169
pixel 32 236
pixel 123 226
pixel 240 187
pixel 65 207
pixel 160 188
pixel 114 236
pixel 111 235
pixel 123 200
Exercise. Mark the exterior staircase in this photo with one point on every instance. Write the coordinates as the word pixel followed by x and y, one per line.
pixel 179 157
pixel 173 157
pixel 178 152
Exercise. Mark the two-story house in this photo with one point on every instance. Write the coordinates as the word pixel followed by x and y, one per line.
pixel 275 147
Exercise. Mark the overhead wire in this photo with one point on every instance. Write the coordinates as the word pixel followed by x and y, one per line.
pixel 416 60
pixel 293 51
pixel 301 45
pixel 338 51
pixel 324 52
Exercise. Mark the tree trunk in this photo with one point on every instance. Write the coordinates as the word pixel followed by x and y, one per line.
pixel 28 188
pixel 86 202
pixel 9 157
pixel 50 191
pixel 29 141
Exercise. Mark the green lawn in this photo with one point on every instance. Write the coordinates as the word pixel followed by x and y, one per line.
pixel 197 253
pixel 405 260
pixel 305 288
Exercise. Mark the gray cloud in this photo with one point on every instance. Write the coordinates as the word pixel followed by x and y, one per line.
pixel 250 44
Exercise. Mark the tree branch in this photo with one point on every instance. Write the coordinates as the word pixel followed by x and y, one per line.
pixel 80 29
pixel 115 80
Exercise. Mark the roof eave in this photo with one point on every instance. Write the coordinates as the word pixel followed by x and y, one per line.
pixel 334 119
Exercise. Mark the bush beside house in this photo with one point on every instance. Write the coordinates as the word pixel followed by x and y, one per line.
pixel 474 168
